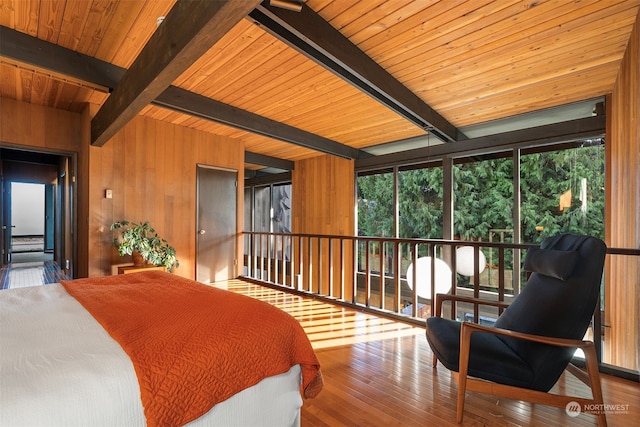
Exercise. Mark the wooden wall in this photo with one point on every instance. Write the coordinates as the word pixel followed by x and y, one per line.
pixel 31 126
pixel 150 166
pixel 323 202
pixel 622 299
pixel 323 196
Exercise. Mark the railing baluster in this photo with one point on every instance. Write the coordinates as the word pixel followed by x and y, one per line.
pixel 396 276
pixel 274 259
pixel 330 261
pixel 355 264
pixel 300 264
pixel 320 267
pixel 414 276
pixel 476 282
pixel 383 292
pixel 261 257
pixel 310 265
pixel 367 282
pixel 501 281
pixel 342 266
pixel 432 254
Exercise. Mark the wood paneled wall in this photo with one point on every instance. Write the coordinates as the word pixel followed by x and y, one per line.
pixel 150 166
pixel 323 196
pixel 30 126
pixel 622 298
pixel 39 127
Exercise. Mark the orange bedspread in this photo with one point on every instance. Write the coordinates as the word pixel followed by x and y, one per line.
pixel 192 345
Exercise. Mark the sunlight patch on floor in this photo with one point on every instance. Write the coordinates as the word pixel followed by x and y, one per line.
pixel 326 325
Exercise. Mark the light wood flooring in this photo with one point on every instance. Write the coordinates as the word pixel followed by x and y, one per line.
pixel 378 372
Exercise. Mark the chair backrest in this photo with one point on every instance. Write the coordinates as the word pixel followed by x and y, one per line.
pixel 558 300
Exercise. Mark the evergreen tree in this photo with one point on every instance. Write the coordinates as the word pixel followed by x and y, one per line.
pixel 483 192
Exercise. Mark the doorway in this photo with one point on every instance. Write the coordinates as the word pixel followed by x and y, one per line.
pixel 216 222
pixel 36 216
pixel 31 223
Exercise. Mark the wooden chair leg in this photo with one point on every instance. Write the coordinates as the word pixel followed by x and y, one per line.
pixel 594 382
pixel 434 361
pixel 463 367
pixel 462 387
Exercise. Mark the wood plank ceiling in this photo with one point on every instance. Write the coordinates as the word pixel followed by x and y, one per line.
pixel 451 64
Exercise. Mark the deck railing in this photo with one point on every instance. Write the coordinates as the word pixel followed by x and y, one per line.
pixel 376 274
pixel 372 272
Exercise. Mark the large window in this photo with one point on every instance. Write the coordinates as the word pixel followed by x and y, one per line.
pixel 562 191
pixel 375 205
pixel 271 207
pixel 420 203
pixel 268 209
pixel 483 197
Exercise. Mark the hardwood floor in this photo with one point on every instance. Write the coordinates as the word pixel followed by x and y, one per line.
pixel 30 272
pixel 378 373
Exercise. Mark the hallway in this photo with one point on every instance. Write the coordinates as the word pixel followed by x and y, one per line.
pixel 33 272
pixel 30 265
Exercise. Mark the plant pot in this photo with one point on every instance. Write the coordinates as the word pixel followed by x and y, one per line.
pixel 138 261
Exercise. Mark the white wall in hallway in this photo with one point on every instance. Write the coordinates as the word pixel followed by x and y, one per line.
pixel 27 209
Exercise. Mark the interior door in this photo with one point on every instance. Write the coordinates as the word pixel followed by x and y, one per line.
pixel 5 220
pixel 49 206
pixel 216 224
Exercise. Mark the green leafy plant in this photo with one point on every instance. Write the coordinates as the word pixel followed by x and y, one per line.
pixel 141 237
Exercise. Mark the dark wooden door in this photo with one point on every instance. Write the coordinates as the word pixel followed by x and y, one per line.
pixel 216 224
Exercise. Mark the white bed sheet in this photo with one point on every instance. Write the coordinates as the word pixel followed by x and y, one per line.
pixel 59 367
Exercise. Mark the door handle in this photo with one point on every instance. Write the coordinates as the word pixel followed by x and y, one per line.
pixel 201 232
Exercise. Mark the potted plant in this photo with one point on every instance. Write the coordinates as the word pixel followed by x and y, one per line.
pixel 142 242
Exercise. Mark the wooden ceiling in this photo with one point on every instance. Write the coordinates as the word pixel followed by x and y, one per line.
pixel 404 67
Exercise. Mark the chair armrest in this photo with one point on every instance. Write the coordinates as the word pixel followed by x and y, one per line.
pixel 440 298
pixel 467 328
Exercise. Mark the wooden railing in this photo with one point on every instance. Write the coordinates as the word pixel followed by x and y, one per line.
pixel 370 273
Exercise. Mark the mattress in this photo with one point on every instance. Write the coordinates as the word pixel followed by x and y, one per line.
pixel 60 367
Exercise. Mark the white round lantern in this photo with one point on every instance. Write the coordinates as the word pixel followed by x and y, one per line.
pixel 464 261
pixel 423 275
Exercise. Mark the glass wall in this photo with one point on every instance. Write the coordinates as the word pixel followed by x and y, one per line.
pixel 376 213
pixel 420 203
pixel 562 191
pixel 483 211
pixel 261 209
pixel 268 209
pixel 483 199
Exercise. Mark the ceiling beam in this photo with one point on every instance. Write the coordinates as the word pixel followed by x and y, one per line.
pixel 197 105
pixel 311 35
pixel 50 57
pixel 541 135
pixel 269 161
pixel 256 178
pixel 44 55
pixel 188 31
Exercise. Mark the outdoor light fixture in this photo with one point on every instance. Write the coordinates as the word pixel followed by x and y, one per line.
pixel 465 263
pixel 422 280
pixel 294 5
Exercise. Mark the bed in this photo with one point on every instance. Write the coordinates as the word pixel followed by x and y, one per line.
pixel 149 349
